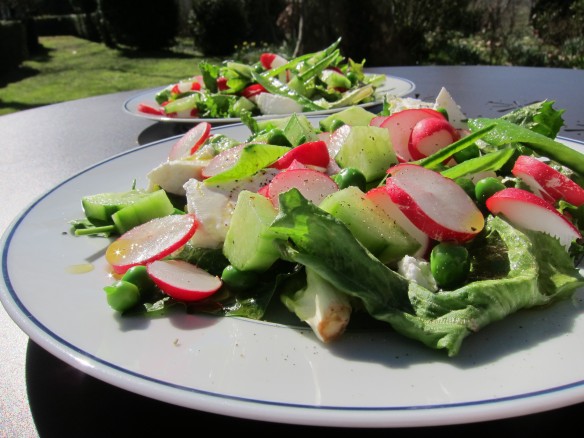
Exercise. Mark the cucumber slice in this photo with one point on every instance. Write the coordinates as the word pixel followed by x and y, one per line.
pixel 353 116
pixel 299 130
pixel 248 246
pixel 376 231
pixel 369 149
pixel 155 205
pixel 183 104
pixel 99 208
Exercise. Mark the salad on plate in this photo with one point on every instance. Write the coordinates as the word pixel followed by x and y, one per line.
pixel 417 218
pixel 319 81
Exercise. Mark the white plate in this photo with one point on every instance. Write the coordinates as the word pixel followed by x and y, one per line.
pixel 393 85
pixel 531 361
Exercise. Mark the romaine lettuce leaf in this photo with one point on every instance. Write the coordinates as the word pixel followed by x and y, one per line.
pixel 538 272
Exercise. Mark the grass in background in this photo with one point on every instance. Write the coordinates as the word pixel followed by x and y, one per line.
pixel 72 68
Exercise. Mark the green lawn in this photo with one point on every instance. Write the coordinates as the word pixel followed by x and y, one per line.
pixel 71 68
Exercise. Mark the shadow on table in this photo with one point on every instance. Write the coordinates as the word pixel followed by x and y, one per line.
pixel 66 402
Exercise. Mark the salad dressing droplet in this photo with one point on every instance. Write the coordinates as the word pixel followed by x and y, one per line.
pixel 81 268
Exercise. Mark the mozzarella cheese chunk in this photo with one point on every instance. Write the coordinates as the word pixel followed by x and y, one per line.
pixel 173 174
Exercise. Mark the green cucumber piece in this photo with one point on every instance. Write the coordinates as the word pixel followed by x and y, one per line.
pixel 299 130
pixel 376 231
pixel 183 104
pixel 368 149
pixel 335 79
pixel 99 208
pixel 353 116
pixel 248 246
pixel 157 204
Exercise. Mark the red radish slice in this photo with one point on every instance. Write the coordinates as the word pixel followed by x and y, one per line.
pixel 314 185
pixel 314 153
pixel 223 161
pixel 253 90
pixel 546 181
pixel 188 144
pixel 381 198
pixel 430 135
pixel 148 109
pixel 182 280
pixel 378 120
pixel 272 60
pixel 433 203
pixel 296 165
pixel 529 211
pixel 150 241
pixel 400 126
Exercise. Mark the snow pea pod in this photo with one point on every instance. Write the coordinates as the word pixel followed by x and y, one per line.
pixel 276 87
pixel 505 132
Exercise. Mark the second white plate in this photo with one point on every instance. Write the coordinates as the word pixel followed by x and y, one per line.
pixel 393 85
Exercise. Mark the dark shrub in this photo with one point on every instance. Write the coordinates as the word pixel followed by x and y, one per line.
pixel 13 45
pixel 217 26
pixel 141 24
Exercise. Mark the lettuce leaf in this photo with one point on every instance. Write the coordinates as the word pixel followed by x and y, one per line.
pixel 254 157
pixel 537 271
pixel 539 117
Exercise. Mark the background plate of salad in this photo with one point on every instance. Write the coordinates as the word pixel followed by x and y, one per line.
pixel 270 370
pixel 318 83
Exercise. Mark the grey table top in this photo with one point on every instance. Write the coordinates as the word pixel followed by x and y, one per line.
pixel 41 396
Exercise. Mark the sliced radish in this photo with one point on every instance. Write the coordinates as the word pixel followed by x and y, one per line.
pixel 182 280
pixel 272 60
pixel 150 241
pixel 296 165
pixel 378 120
pixel 148 109
pixel 381 198
pixel 433 203
pixel 269 103
pixel 314 153
pixel 547 182
pixel 253 90
pixel 430 135
pixel 223 161
pixel 400 126
pixel 188 144
pixel 529 211
pixel 312 184
pixel 185 86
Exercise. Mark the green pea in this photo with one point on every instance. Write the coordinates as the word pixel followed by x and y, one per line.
pixel 238 279
pixel 122 295
pixel 353 77
pixel 277 137
pixel 467 153
pixel 467 185
pixel 138 276
pixel 349 176
pixel 487 187
pixel 449 264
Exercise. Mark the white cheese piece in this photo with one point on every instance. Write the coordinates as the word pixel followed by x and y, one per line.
pixel 455 115
pixel 213 205
pixel 418 271
pixel 173 174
